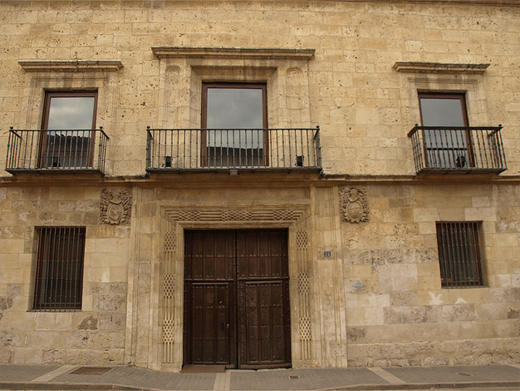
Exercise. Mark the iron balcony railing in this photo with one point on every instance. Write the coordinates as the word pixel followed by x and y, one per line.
pixel 56 151
pixel 229 149
pixel 439 149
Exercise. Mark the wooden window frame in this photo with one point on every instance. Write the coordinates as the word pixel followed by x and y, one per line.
pixel 460 254
pixel 58 282
pixel 456 96
pixel 460 96
pixel 204 112
pixel 45 121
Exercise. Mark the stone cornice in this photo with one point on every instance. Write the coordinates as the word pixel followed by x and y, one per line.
pixel 437 67
pixel 232 53
pixel 497 3
pixel 71 65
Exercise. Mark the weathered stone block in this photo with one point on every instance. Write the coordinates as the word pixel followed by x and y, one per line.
pixel 111 321
pixel 356 334
pixel 115 303
pixel 28 356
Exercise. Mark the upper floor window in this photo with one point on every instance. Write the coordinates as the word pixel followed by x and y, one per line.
pixel 235 116
pixel 445 146
pixel 443 109
pixel 59 268
pixel 69 118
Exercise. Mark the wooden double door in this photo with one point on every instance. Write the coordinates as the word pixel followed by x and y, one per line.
pixel 236 299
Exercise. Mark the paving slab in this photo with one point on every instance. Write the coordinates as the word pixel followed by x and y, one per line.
pixel 459 374
pixel 303 379
pixel 67 377
pixel 24 372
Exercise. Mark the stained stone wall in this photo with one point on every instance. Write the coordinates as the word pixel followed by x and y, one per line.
pixel 364 106
pixel 365 288
pixel 95 335
pixel 401 316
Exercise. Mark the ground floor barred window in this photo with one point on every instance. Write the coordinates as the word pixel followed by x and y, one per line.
pixel 460 256
pixel 59 268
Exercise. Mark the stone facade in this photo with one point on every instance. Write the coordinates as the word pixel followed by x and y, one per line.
pixel 365 285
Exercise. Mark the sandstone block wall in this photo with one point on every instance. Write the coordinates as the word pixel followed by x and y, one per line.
pixel 402 316
pixel 96 334
pixel 364 107
pixel 398 314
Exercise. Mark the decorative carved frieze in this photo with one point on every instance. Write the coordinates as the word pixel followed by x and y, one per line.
pixel 116 206
pixel 354 205
pixel 230 215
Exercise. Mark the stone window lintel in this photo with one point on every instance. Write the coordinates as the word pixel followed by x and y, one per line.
pixel 437 67
pixel 232 53
pixel 70 65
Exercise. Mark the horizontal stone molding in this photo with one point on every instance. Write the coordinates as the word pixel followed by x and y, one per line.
pixel 232 53
pixel 499 3
pixel 71 66
pixel 437 67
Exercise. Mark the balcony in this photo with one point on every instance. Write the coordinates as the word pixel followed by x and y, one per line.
pixel 56 151
pixel 455 149
pixel 233 150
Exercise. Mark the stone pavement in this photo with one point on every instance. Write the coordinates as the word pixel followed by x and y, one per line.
pixel 70 377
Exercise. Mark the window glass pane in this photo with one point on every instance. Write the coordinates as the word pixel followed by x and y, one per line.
pixel 66 113
pixel 448 147
pixel 442 112
pixel 235 108
pixel 70 118
pixel 234 116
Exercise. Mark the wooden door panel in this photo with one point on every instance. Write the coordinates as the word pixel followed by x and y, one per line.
pixel 264 323
pixel 209 255
pixel 262 254
pixel 237 308
pixel 210 319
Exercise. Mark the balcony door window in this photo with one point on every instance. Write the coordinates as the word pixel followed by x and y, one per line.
pixel 69 121
pixel 447 144
pixel 234 117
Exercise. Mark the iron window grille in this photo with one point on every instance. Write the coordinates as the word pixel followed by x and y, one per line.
pixel 59 268
pixel 460 258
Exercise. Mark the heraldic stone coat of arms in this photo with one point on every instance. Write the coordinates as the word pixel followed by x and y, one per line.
pixel 116 206
pixel 354 205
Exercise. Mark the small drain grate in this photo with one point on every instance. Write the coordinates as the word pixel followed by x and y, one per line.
pixel 90 371
pixel 294 377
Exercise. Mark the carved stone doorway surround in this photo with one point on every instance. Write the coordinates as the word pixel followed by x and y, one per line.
pixel 167 333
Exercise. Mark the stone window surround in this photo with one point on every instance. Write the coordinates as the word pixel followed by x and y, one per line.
pixel 65 75
pixel 184 69
pixel 445 78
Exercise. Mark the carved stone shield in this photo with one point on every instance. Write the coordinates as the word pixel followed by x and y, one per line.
pixel 354 205
pixel 116 206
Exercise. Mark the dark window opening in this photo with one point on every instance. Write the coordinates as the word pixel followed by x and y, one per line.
pixel 459 254
pixel 59 268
